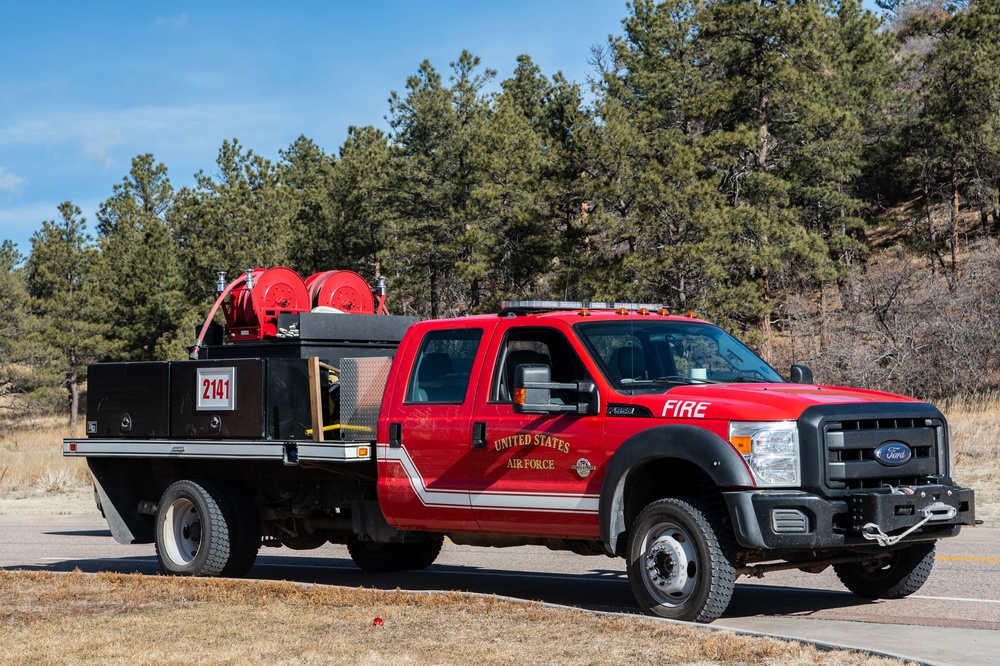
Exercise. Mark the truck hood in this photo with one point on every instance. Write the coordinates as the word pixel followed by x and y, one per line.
pixel 754 402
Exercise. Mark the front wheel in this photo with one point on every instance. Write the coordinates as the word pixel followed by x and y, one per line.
pixel 898 576
pixel 680 561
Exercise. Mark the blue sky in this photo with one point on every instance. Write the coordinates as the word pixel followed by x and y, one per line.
pixel 86 86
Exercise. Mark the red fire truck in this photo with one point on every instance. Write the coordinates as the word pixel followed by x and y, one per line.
pixel 608 429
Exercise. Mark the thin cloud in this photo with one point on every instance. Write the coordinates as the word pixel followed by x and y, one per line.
pixel 100 134
pixel 9 182
pixel 98 144
pixel 175 22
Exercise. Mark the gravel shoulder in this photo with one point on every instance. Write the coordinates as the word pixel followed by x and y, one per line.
pixel 71 502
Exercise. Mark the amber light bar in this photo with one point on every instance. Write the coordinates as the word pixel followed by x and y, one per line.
pixel 578 305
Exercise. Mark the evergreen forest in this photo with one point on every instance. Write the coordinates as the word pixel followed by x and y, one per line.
pixel 817 179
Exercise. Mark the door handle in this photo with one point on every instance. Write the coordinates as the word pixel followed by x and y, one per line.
pixel 479 435
pixel 395 435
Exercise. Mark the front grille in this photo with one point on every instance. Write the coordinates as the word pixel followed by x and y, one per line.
pixel 850 452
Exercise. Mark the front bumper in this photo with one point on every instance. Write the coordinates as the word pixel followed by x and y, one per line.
pixel 792 520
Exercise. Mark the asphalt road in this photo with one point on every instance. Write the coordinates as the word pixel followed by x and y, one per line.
pixel 953 619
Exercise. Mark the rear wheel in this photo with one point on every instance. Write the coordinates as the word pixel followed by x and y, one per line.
pixel 193 529
pixel 680 561
pixel 380 557
pixel 244 537
pixel 901 574
pixel 303 541
pixel 426 552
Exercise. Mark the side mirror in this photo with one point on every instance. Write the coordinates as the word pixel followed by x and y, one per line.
pixel 533 388
pixel 531 391
pixel 801 374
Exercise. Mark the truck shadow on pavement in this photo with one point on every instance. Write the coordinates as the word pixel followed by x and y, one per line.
pixel 598 589
pixel 82 533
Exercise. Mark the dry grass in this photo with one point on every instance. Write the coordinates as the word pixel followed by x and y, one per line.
pixel 118 619
pixel 975 441
pixel 31 462
pixel 52 618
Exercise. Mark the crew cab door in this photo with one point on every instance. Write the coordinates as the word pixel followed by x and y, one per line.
pixel 424 465
pixel 534 473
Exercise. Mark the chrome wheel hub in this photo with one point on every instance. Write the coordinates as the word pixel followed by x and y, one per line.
pixel 670 565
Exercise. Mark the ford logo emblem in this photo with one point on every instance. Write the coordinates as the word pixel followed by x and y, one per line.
pixel 893 453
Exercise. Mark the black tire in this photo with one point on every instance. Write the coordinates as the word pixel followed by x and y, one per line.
pixel 680 561
pixel 194 521
pixel 901 575
pixel 244 536
pixel 303 541
pixel 426 552
pixel 381 557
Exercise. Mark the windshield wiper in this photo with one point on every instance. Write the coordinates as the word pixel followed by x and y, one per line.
pixel 679 379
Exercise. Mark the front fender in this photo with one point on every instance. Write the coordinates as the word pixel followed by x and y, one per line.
pixel 714 455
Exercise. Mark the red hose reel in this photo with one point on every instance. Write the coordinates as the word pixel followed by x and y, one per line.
pixel 256 299
pixel 345 291
pixel 252 310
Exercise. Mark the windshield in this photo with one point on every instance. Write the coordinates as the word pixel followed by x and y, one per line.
pixel 653 356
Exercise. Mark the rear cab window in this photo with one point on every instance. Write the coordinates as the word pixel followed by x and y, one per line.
pixel 443 366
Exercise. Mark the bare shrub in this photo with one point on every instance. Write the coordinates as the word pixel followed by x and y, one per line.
pixel 56 480
pixel 898 328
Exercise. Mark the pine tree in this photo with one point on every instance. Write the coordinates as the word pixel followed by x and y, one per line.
pixel 514 240
pixel 342 204
pixel 13 305
pixel 241 218
pixel 308 172
pixel 957 133
pixel 140 276
pixel 363 182
pixel 565 131
pixel 67 328
pixel 664 231
pixel 436 130
pixel 802 78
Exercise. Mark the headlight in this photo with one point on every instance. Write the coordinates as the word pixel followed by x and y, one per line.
pixel 771 449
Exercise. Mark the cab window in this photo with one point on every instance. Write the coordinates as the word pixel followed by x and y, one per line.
pixel 443 366
pixel 538 346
